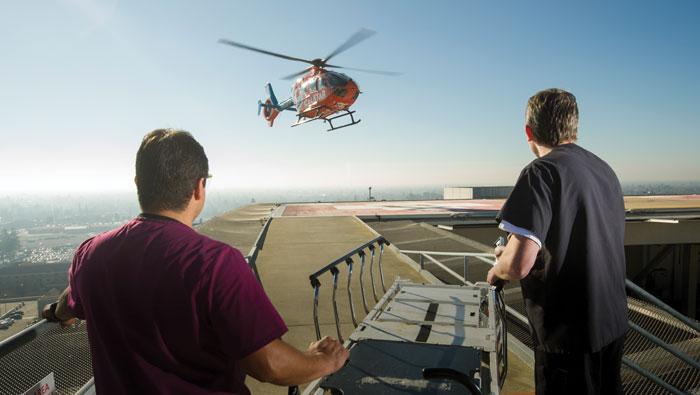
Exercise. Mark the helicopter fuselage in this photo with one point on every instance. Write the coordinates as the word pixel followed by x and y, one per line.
pixel 319 94
pixel 322 93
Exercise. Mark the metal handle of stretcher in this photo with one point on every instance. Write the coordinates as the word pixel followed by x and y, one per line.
pixel 333 269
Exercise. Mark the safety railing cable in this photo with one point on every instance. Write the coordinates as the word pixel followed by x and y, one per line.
pixel 665 346
pixel 654 300
pixel 645 373
pixel 335 272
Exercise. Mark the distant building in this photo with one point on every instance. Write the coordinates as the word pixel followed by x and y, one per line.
pixel 465 193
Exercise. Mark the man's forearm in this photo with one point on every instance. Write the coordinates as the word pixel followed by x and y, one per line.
pixel 298 367
pixel 62 311
pixel 517 259
pixel 281 364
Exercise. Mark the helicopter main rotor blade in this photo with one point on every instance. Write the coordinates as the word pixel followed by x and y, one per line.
pixel 292 76
pixel 235 44
pixel 356 38
pixel 392 73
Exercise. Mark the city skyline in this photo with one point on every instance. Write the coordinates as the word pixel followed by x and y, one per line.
pixel 83 81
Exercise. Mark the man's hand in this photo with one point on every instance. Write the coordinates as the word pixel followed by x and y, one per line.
pixel 51 317
pixel 331 349
pixel 492 278
pixel 59 312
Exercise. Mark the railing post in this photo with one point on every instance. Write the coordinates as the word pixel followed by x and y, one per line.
pixel 422 261
pixel 362 284
pixel 334 272
pixel 381 253
pixel 316 285
pixel 352 305
pixel 371 274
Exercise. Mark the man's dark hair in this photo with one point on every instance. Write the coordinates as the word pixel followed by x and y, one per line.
pixel 552 115
pixel 169 164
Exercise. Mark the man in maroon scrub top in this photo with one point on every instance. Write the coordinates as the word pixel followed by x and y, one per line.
pixel 171 311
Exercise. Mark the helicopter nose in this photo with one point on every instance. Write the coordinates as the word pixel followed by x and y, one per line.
pixel 353 89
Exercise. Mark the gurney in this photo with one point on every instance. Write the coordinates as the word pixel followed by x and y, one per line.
pixel 426 339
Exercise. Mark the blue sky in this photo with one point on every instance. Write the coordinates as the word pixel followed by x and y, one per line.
pixel 81 82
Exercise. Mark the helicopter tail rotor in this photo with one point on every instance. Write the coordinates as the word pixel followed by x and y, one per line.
pixel 269 111
pixel 270 108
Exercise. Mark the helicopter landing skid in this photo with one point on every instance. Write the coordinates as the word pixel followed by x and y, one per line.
pixel 352 120
pixel 330 120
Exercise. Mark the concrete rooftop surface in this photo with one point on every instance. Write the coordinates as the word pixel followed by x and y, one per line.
pixel 297 246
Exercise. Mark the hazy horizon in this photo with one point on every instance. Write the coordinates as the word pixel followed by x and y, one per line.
pixel 377 188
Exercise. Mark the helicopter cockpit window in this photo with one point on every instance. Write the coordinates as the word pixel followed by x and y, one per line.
pixel 337 79
pixel 322 83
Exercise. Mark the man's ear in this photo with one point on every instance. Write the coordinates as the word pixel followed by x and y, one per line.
pixel 528 132
pixel 199 189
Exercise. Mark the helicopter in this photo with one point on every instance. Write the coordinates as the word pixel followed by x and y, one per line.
pixel 319 94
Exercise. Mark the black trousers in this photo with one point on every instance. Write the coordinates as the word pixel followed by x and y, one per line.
pixel 591 373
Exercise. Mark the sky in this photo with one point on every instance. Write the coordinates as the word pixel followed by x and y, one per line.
pixel 81 82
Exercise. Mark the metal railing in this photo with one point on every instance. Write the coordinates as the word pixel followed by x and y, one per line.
pixel 663 335
pixel 30 355
pixel 24 336
pixel 692 325
pixel 333 269
pixel 257 246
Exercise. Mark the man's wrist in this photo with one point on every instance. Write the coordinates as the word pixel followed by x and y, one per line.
pixel 50 314
pixel 498 272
